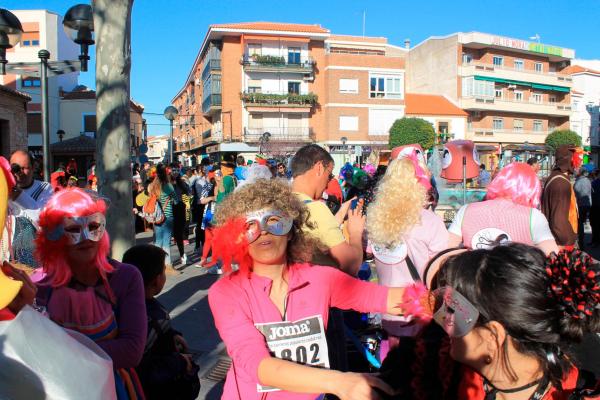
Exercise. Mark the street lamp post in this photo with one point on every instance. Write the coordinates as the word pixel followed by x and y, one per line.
pixel 344 139
pixel 79 26
pixel 170 113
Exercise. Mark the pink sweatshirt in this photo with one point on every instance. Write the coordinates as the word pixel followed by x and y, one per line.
pixel 239 301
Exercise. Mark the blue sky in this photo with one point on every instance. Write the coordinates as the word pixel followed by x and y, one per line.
pixel 166 35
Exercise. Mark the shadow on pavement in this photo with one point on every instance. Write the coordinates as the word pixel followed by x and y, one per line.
pixel 183 290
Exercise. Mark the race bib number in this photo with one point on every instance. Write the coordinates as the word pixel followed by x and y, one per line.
pixel 301 341
pixel 390 256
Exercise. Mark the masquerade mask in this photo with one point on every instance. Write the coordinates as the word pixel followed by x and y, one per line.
pixel 272 221
pixel 453 312
pixel 78 229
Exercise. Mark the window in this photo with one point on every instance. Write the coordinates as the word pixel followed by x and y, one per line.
pixel 498 123
pixel 518 95
pixel 518 125
pixel 293 55
pixel 293 87
pixel 477 88
pixel 30 82
pixel 498 61
pixel 575 105
pixel 348 85
pixel 538 125
pixel 538 67
pixel 498 93
pixel 519 65
pixel 294 122
pixel 348 123
pixel 255 121
pixel 536 98
pixel 552 99
pixel 443 127
pixel 254 49
pixel 254 86
pixel 34 123
pixel 89 123
pixel 388 86
pixel 467 58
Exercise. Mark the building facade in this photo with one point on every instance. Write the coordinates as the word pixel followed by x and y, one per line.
pixel 158 147
pixel 448 120
pixel 585 103
pixel 42 30
pixel 271 87
pixel 514 91
pixel 13 120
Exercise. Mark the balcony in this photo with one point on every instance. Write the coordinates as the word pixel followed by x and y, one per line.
pixel 521 107
pixel 279 134
pixel 210 66
pixel 502 72
pixel 268 63
pixel 506 135
pixel 211 103
pixel 212 135
pixel 299 102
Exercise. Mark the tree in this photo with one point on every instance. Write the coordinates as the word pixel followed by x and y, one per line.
pixel 112 24
pixel 560 137
pixel 412 130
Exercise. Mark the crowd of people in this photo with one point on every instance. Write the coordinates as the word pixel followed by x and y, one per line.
pixel 487 308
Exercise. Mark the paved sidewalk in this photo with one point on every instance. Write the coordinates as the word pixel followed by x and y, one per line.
pixel 185 296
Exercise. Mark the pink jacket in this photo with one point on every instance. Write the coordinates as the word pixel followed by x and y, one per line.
pixel 239 301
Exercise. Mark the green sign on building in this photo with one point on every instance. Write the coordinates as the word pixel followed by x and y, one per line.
pixel 545 49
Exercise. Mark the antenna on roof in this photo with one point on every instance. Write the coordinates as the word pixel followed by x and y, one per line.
pixel 364 21
pixel 536 37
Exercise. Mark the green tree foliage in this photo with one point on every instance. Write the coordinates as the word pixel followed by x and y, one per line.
pixel 560 137
pixel 412 130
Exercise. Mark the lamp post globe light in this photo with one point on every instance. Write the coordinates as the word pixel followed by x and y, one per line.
pixel 79 26
pixel 10 34
pixel 170 113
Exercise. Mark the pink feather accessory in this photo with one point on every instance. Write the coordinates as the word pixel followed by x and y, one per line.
pixel 416 302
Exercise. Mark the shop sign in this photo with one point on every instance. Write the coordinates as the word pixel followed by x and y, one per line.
pixel 212 149
pixel 528 46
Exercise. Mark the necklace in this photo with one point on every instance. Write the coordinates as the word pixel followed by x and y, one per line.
pixel 542 386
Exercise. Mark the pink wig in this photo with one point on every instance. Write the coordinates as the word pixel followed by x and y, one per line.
pixel 518 182
pixel 51 253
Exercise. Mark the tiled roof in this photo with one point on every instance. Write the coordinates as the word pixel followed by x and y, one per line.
pixel 14 92
pixel 431 104
pixel 576 92
pixel 84 93
pixel 577 69
pixel 273 26
pixel 79 144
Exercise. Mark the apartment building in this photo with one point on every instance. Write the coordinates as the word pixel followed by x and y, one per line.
pixel 585 104
pixel 514 91
pixel 273 87
pixel 448 120
pixel 42 30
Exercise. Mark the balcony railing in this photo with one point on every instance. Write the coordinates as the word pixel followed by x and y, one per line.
pixel 491 67
pixel 502 104
pixel 212 135
pixel 279 134
pixel 268 62
pixel 280 99
pixel 210 66
pixel 212 101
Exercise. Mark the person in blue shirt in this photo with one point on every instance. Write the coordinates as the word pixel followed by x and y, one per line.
pixel 240 169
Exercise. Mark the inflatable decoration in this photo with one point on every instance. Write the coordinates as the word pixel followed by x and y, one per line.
pixel 452 161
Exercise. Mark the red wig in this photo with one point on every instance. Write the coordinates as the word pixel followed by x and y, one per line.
pixel 51 253
pixel 230 245
pixel 518 182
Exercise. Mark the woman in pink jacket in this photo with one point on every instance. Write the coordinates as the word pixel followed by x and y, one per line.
pixel 272 312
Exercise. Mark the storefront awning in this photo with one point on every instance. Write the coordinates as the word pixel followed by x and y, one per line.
pixel 523 83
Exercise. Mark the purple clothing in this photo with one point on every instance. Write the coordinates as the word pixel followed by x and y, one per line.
pixel 126 282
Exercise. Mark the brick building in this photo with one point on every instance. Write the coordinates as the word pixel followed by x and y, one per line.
pixel 274 87
pixel 13 120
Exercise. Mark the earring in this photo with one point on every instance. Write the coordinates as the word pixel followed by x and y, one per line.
pixel 488 359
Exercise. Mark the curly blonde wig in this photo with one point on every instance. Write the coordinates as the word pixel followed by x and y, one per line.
pixel 398 203
pixel 272 194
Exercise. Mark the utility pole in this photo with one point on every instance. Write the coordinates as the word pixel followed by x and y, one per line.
pixel 112 24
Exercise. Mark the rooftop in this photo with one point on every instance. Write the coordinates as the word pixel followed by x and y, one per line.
pixel 431 104
pixel 14 92
pixel 272 26
pixel 578 69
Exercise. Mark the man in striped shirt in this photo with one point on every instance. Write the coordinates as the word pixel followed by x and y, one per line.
pixel 29 193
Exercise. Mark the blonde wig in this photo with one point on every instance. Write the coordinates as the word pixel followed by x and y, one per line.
pixel 398 203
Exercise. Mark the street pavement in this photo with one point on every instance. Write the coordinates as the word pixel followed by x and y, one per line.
pixel 185 296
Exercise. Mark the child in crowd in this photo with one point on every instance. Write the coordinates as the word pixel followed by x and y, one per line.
pixel 166 370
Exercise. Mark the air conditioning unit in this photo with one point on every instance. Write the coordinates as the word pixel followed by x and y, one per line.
pixel 308 77
pixel 512 87
pixel 197 82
